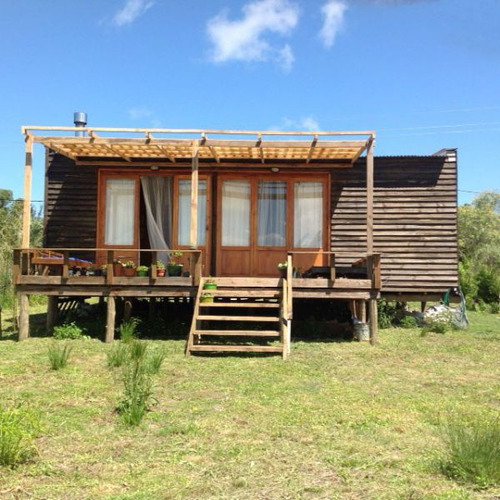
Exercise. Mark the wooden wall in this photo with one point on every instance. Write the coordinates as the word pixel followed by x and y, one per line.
pixel 70 204
pixel 415 211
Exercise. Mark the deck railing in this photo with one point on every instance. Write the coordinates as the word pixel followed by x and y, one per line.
pixel 102 264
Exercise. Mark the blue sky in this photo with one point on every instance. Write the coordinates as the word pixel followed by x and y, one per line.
pixel 424 75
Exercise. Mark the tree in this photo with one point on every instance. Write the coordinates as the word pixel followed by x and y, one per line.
pixel 479 248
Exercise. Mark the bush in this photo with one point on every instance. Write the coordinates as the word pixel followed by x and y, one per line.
pixel 437 326
pixel 387 313
pixel 58 355
pixel 117 355
pixel 473 451
pixel 128 330
pixel 18 429
pixel 138 386
pixel 69 331
pixel 408 322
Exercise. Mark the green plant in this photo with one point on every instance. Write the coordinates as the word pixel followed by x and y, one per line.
pixel 69 331
pixel 174 257
pixel 18 428
pixel 206 297
pixel 160 265
pixel 117 355
pixel 437 326
pixel 58 355
pixel 129 264
pixel 128 330
pixel 137 395
pixel 283 265
pixel 473 451
pixel 143 269
pixel 408 322
pixel 387 313
pixel 155 360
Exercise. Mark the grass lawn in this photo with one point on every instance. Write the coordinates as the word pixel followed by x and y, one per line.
pixel 338 420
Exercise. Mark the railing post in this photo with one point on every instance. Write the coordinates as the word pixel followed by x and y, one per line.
pixel 332 268
pixel 197 268
pixel 109 267
pixel 17 266
pixel 289 279
pixel 65 271
pixel 154 260
pixel 376 280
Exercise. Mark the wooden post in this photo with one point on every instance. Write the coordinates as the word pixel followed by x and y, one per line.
pixel 332 268
pixel 127 310
pixel 152 309
pixel 154 268
pixel 289 281
pixel 193 233
pixel 28 166
pixel 362 311
pixel 17 267
pixel 369 198
pixel 373 321
pixel 51 313
pixel 24 316
pixel 109 267
pixel 110 322
pixel 423 305
pixel 65 269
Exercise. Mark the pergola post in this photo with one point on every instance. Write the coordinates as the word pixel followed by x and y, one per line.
pixel 369 198
pixel 28 165
pixel 193 233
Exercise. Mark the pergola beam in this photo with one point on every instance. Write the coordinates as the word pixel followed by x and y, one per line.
pixel 369 198
pixel 28 167
pixel 193 233
pixel 311 149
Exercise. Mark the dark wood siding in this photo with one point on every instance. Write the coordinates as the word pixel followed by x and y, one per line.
pixel 415 211
pixel 70 204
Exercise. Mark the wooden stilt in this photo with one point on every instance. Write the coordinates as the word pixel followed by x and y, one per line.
pixel 423 305
pixel 152 309
pixel 373 321
pixel 110 323
pixel 51 313
pixel 362 311
pixel 127 310
pixel 24 317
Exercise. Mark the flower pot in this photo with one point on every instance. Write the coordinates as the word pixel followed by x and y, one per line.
pixel 129 272
pixel 117 269
pixel 210 286
pixel 143 274
pixel 160 273
pixel 175 269
pixel 206 298
pixel 283 272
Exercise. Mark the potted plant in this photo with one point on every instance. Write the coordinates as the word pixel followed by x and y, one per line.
pixel 117 267
pixel 142 271
pixel 210 284
pixel 160 269
pixel 104 270
pixel 282 268
pixel 128 268
pixel 173 266
pixel 206 297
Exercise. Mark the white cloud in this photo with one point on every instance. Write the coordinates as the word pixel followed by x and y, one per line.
pixel 333 14
pixel 145 115
pixel 307 123
pixel 131 11
pixel 244 39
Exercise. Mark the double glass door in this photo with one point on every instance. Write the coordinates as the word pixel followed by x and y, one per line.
pixel 262 217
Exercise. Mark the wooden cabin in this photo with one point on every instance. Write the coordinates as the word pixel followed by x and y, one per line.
pixel 345 225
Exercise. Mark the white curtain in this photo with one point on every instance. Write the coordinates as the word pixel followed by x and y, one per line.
pixel 120 212
pixel 308 215
pixel 236 213
pixel 271 214
pixel 157 191
pixel 185 211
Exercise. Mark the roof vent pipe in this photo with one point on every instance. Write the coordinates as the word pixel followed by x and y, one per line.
pixel 80 119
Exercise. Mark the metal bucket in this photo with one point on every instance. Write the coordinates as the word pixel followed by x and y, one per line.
pixel 361 331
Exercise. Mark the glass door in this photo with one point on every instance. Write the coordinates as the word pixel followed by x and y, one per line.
pixel 234 256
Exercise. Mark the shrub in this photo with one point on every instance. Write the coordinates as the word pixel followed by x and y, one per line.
pixel 155 360
pixel 117 355
pixel 408 322
pixel 18 429
pixel 138 386
pixel 437 326
pixel 58 355
pixel 128 330
pixel 68 331
pixel 387 313
pixel 473 451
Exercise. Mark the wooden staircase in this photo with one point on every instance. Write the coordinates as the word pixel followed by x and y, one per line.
pixel 243 317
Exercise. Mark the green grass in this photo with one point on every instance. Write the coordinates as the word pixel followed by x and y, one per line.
pixel 339 420
pixel 58 354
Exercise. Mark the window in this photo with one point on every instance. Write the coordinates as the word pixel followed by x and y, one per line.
pixel 236 213
pixel 184 218
pixel 120 212
pixel 308 215
pixel 271 210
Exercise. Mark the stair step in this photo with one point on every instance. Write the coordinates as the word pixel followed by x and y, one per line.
pixel 267 319
pixel 235 348
pixel 274 305
pixel 248 282
pixel 263 293
pixel 239 333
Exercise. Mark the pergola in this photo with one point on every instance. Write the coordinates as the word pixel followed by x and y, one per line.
pixel 177 147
